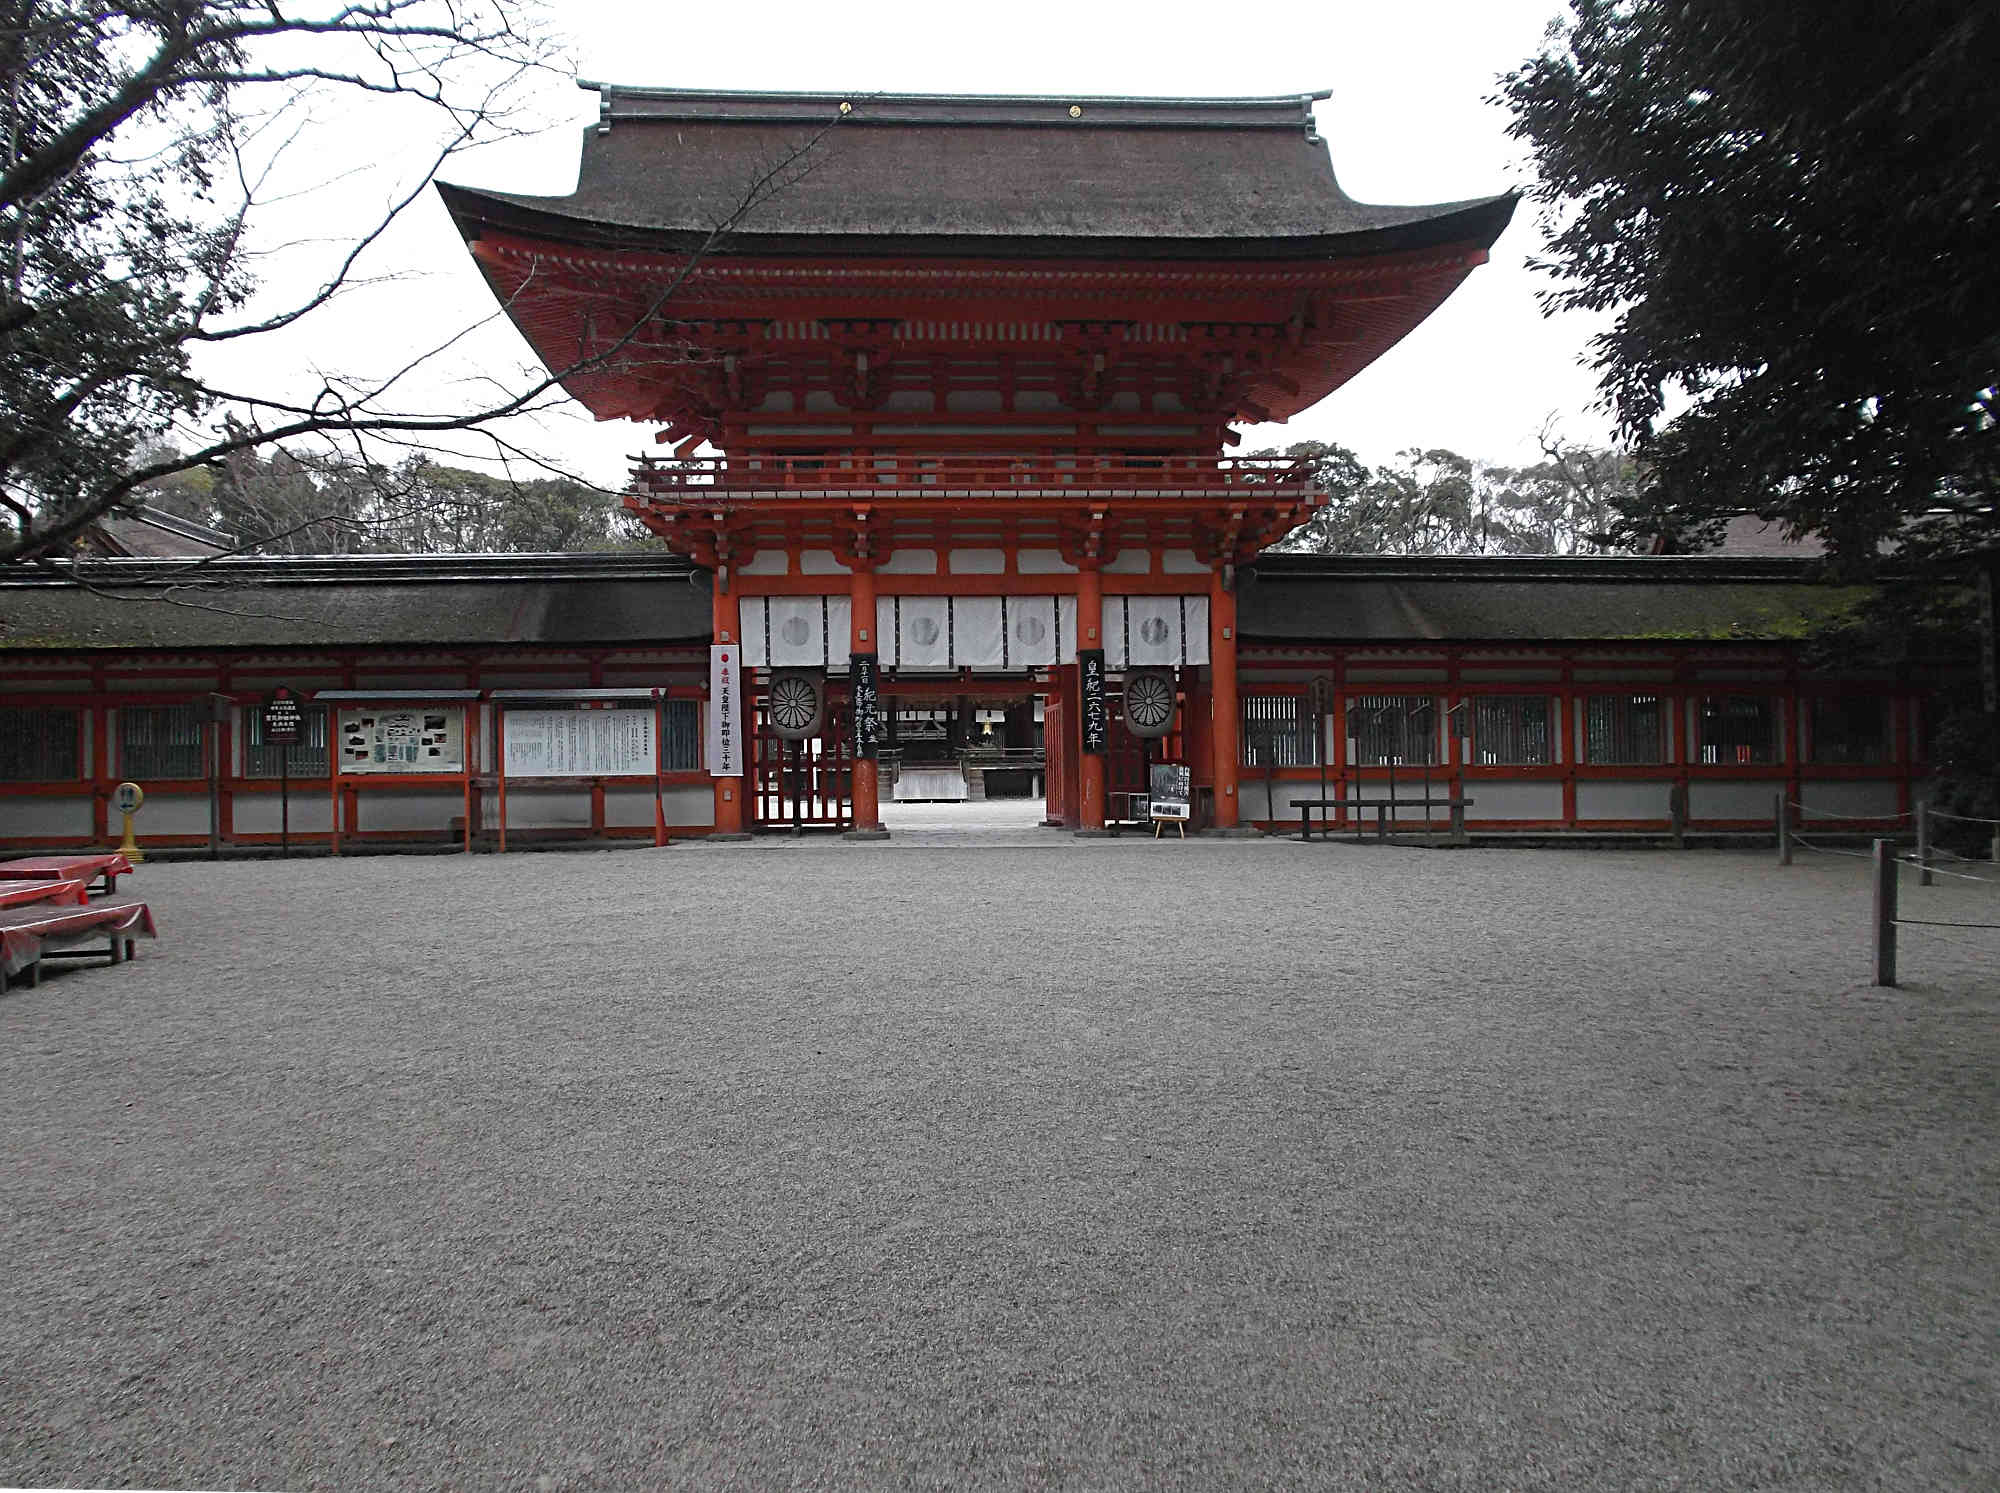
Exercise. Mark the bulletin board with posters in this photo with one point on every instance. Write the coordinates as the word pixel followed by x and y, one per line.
pixel 398 739
pixel 583 737
pixel 378 737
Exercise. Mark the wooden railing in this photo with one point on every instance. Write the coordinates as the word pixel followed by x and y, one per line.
pixel 675 479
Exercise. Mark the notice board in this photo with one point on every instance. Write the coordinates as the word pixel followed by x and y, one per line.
pixel 580 743
pixel 428 738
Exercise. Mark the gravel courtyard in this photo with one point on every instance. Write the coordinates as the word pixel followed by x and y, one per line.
pixel 1018 1162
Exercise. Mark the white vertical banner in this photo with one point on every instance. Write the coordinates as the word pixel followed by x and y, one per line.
pixel 978 633
pixel 725 711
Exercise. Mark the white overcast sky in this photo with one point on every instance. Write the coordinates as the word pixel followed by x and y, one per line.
pixel 1407 122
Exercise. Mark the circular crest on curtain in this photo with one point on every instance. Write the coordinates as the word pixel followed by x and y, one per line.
pixel 1149 702
pixel 796 705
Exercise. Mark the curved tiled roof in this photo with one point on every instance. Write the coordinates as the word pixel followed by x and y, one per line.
pixel 633 599
pixel 918 174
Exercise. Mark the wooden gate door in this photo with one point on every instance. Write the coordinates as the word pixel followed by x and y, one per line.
pixel 803 784
pixel 1127 762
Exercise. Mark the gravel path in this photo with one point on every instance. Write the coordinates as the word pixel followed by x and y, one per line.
pixel 1065 1164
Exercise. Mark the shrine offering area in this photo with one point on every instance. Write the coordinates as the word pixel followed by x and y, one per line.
pixel 1053 1163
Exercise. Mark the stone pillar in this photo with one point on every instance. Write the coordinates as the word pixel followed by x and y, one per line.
pixel 1089 634
pixel 861 639
pixel 731 812
pixel 1225 714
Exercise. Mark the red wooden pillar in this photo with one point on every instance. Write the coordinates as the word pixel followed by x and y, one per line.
pixel 100 759
pixel 861 639
pixel 1566 724
pixel 1089 634
pixel 727 624
pixel 1225 712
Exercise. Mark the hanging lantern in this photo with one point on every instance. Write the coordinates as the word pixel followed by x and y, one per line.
pixel 1149 702
pixel 796 704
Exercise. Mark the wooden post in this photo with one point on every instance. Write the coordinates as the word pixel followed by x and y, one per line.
pixel 1677 813
pixel 1924 877
pixel 1885 912
pixel 1458 834
pixel 500 770
pixel 1781 817
pixel 1223 701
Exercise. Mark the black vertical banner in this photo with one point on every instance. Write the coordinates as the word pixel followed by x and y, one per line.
pixel 865 680
pixel 1095 715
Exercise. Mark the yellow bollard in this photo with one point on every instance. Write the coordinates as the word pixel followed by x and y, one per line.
pixel 126 798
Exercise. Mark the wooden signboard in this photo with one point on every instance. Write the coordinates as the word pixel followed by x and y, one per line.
pixel 283 722
pixel 284 717
pixel 865 680
pixel 725 689
pixel 1095 718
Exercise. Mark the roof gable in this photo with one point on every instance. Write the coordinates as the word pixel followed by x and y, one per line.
pixel 1193 176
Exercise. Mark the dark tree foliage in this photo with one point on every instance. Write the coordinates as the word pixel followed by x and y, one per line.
pixel 1791 207
pixel 138 142
pixel 127 185
pixel 275 500
pixel 1436 502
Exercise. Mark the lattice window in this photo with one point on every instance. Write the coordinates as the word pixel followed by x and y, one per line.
pixel 1850 729
pixel 680 735
pixel 1393 730
pixel 159 742
pixel 38 746
pixel 1512 730
pixel 1624 730
pixel 1277 731
pixel 308 759
pixel 1738 730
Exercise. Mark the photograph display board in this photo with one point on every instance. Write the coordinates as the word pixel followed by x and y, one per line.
pixel 397 739
pixel 1172 790
pixel 580 743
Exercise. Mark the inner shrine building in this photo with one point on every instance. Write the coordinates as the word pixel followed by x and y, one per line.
pixel 970 369
pixel 939 400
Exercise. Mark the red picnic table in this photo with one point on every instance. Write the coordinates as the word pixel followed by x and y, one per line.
pixel 106 865
pixel 28 935
pixel 57 893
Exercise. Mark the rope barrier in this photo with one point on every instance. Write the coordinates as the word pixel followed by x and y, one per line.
pixel 1970 860
pixel 1860 855
pixel 1962 818
pixel 1959 941
pixel 1849 818
pixel 1940 871
pixel 1937 923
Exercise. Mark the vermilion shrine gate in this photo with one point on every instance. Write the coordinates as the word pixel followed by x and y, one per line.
pixel 972 366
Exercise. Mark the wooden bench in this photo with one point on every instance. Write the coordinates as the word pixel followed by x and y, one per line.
pixel 106 866
pixel 64 930
pixel 1382 806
